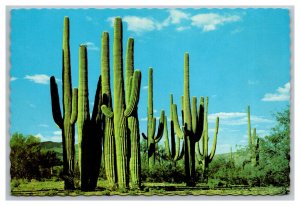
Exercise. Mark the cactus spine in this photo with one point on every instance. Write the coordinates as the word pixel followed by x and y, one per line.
pixel 151 138
pixel 89 130
pixel 109 139
pixel 192 125
pixel 174 153
pixel 203 156
pixel 66 122
pixel 121 111
pixel 253 141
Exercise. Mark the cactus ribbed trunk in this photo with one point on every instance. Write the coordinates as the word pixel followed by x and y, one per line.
pixel 189 156
pixel 120 122
pixel 67 121
pixel 109 139
pixel 253 141
pixel 133 123
pixel 83 119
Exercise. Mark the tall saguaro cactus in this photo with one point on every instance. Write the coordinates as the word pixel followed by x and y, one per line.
pixel 66 122
pixel 121 111
pixel 203 156
pixel 192 125
pixel 151 138
pixel 174 153
pixel 253 141
pixel 90 130
pixel 133 122
pixel 109 139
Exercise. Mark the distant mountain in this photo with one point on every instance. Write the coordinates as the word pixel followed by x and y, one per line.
pixel 56 147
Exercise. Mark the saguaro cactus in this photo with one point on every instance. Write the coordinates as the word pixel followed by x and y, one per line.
pixel 174 153
pixel 133 122
pixel 151 138
pixel 67 121
pixel 253 141
pixel 203 156
pixel 192 125
pixel 109 139
pixel 90 131
pixel 121 111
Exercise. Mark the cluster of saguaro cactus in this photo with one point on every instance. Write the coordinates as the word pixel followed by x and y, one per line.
pixel 192 128
pixel 151 137
pixel 115 126
pixel 124 109
pixel 66 122
pixel 253 141
pixel 202 154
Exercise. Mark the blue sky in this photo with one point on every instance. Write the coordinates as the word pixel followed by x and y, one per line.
pixel 238 57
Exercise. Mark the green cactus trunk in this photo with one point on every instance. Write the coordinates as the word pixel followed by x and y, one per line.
pixel 67 122
pixel 109 139
pixel 89 130
pixel 120 122
pixel 133 123
pixel 253 142
pixel 151 138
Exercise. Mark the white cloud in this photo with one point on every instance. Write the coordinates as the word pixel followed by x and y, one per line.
pixel 58 132
pixel 182 28
pixel 281 94
pixel 207 22
pixel 38 78
pixel 140 24
pixel 91 46
pixel 236 118
pixel 176 16
pixel 211 21
pixel 13 79
pixel 56 137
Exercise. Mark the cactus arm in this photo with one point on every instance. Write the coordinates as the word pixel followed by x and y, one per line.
pixel 200 120
pixel 56 112
pixel 107 111
pixel 97 102
pixel 74 106
pixel 166 135
pixel 135 93
pixel 253 137
pixel 178 131
pixel 249 126
pixel 214 145
pixel 160 130
pixel 199 155
pixel 144 136
pixel 129 68
pixel 194 115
